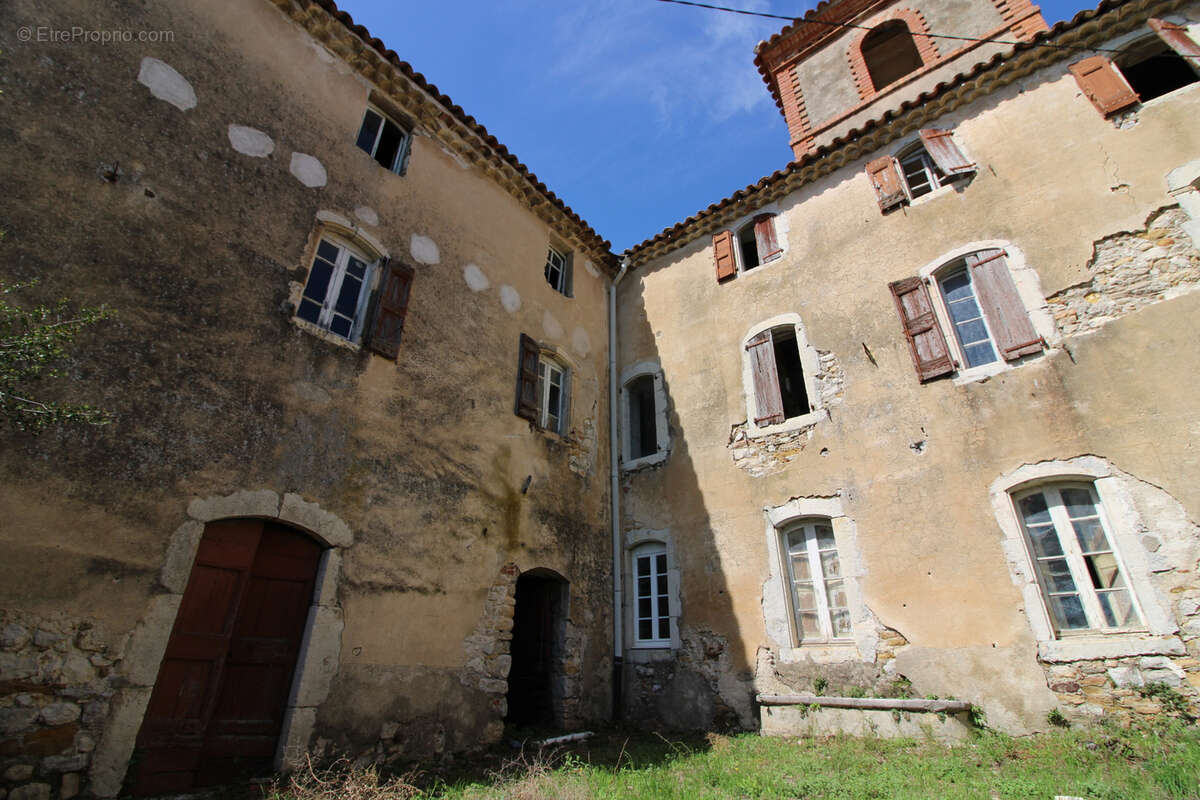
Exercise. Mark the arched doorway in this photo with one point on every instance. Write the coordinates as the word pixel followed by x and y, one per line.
pixel 536 680
pixel 217 707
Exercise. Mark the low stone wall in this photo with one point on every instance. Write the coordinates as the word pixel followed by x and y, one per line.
pixel 56 683
pixel 823 721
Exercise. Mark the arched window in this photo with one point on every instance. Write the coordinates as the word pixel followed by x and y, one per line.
pixel 543 387
pixel 645 433
pixel 652 599
pixel 820 608
pixel 890 53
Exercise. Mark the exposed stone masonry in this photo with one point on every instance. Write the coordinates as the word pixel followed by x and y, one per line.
pixel 1130 271
pixel 1118 687
pixel 58 680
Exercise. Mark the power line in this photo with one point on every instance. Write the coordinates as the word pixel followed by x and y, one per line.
pixel 832 24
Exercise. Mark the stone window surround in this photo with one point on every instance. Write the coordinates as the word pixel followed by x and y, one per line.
pixel 340 227
pixel 1029 287
pixel 320 648
pixel 661 423
pixel 632 540
pixel 809 360
pixel 1124 523
pixel 776 594
pixel 1183 184
pixel 781 230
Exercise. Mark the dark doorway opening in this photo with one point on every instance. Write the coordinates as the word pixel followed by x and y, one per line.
pixel 217 708
pixel 535 681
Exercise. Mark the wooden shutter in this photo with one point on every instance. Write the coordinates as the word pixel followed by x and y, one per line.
pixel 1001 304
pixel 527 379
pixel 568 281
pixel 764 237
pixel 767 397
pixel 945 153
pixel 564 404
pixel 884 173
pixel 391 307
pixel 1177 38
pixel 926 341
pixel 723 255
pixel 1104 84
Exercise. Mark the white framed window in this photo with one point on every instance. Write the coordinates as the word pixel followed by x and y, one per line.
pixel 543 388
pixel 1081 576
pixel 645 435
pixel 384 140
pixel 559 270
pixel 338 286
pixel 971 332
pixel 778 369
pixel 921 173
pixel 651 601
pixel 819 602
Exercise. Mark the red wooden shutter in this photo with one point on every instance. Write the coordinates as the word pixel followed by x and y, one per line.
pixel 527 379
pixel 1104 84
pixel 391 306
pixel 945 153
pixel 884 173
pixel 1177 38
pixel 768 399
pixel 723 255
pixel 926 341
pixel 1001 304
pixel 764 237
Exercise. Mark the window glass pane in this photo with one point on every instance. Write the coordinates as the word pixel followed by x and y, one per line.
pixel 318 280
pixel 835 594
pixel 643 587
pixel 973 331
pixel 1034 510
pixel 643 565
pixel 347 302
pixel 981 353
pixel 662 583
pixel 660 563
pixel 327 251
pixel 796 542
pixel 1090 534
pixel 1045 541
pixel 1056 575
pixel 356 267
pixel 806 599
pixel 1104 572
pixel 830 564
pixel 809 626
pixel 958 287
pixel 644 606
pixel 663 608
pixel 341 326
pixel 309 311
pixel 664 628
pixel 1078 503
pixel 1118 609
pixel 369 130
pixel 841 622
pixel 825 539
pixel 800 570
pixel 389 145
pixel 1067 612
pixel 645 629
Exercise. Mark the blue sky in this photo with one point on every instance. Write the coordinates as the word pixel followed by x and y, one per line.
pixel 637 113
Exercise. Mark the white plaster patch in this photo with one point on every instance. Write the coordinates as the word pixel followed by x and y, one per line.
pixel 591 268
pixel 367 214
pixel 166 84
pixel 308 170
pixel 250 141
pixel 424 250
pixel 510 299
pixel 551 326
pixel 476 280
pixel 581 343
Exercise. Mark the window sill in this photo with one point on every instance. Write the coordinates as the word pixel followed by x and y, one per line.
pixel 645 461
pixel 948 188
pixel 835 650
pixel 985 371
pixel 1114 645
pixel 762 267
pixel 645 654
pixel 788 425
pixel 325 335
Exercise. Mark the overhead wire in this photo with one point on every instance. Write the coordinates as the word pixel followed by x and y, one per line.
pixel 851 25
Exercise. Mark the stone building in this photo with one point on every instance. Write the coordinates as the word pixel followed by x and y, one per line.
pixel 379 481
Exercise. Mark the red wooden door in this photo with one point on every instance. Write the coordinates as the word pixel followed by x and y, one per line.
pixel 217 708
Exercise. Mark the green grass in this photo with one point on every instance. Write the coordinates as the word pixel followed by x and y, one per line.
pixel 1162 761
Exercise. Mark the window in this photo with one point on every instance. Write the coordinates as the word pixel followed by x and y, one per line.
pixel 933 161
pixel 558 270
pixel 652 614
pixel 543 388
pixel 645 437
pixel 752 245
pixel 1077 568
pixel 385 141
pixel 820 608
pixel 890 53
pixel 978 301
pixel 781 391
pixel 1148 68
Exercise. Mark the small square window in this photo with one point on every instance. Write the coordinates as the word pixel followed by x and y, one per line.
pixel 558 270
pixel 384 141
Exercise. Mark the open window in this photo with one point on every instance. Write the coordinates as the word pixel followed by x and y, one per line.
pixel 890 53
pixel 559 270
pixel 922 167
pixel 753 244
pixel 779 368
pixel 1150 67
pixel 646 437
pixel 543 388
pixel 357 296
pixel 385 140
pixel 975 297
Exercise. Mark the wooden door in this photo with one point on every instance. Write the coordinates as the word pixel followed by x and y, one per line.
pixel 217 708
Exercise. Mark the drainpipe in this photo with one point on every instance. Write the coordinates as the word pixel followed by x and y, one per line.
pixel 615 490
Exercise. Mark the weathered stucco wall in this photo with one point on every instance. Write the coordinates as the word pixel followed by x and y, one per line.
pixel 116 197
pixel 911 465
